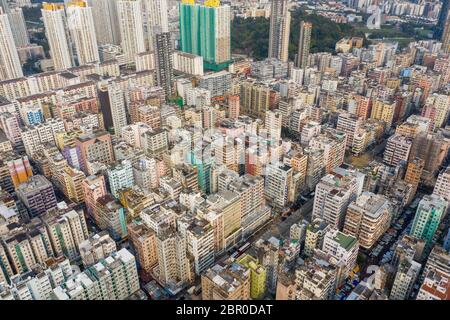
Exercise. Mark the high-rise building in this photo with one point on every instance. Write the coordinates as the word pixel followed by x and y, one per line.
pixel 37 195
pixel 233 107
pixel 143 240
pixel 404 281
pixel 444 20
pixel 20 170
pixel 272 124
pixel 280 24
pixel 315 281
pixel 254 98
pixel 368 218
pixel 277 183
pixel 349 123
pixel 95 248
pixel 429 213
pixel 9 123
pixel 442 186
pixel 315 233
pixel 57 33
pixel 39 282
pixel 5 6
pixel 200 244
pixel 414 172
pixel 443 15
pixel 157 19
pixel 96 282
pixel 383 110
pixel 397 150
pixel 80 22
pixel 120 176
pixel 117 107
pixel 333 143
pixel 106 19
pixel 304 44
pixel 344 248
pixel 334 192
pixel 173 262
pixel 18 27
pixel 66 231
pixel 10 66
pixel 5 267
pixel 205 31
pixel 438 260
pixel 164 63
pixel 431 148
pixel 257 275
pixel 110 216
pixel 229 282
pixel 436 286
pixel 131 28
pixel 188 63
pixel 94 187
pixel 95 146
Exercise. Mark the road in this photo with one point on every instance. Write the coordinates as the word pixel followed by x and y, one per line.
pixel 280 228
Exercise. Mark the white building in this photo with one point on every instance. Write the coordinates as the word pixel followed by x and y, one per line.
pixel 81 27
pixel 188 63
pixel 436 286
pixel 56 31
pixel 273 123
pixel 96 247
pixel 10 66
pixel 118 109
pixel 406 277
pixel 105 15
pixel 157 18
pixel 18 27
pixel 397 149
pixel 277 181
pixel 442 187
pixel 198 97
pixel 131 27
pixel 120 177
pixel 343 247
pixel 333 194
pixel 114 278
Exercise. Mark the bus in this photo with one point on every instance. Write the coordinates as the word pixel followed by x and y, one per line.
pixel 244 247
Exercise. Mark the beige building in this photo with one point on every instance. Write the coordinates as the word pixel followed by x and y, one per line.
pixel 143 240
pixel 226 283
pixel 368 218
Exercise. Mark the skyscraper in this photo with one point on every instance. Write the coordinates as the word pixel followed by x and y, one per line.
pixel 118 109
pixel 157 18
pixel 131 27
pixel 280 24
pixel 82 30
pixel 37 195
pixel 414 172
pixel 57 35
pixel 443 15
pixel 10 67
pixel 444 22
pixel 4 5
pixel 304 44
pixel 164 62
pixel 18 27
pixel 205 31
pixel 429 213
pixel 120 176
pixel 106 21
